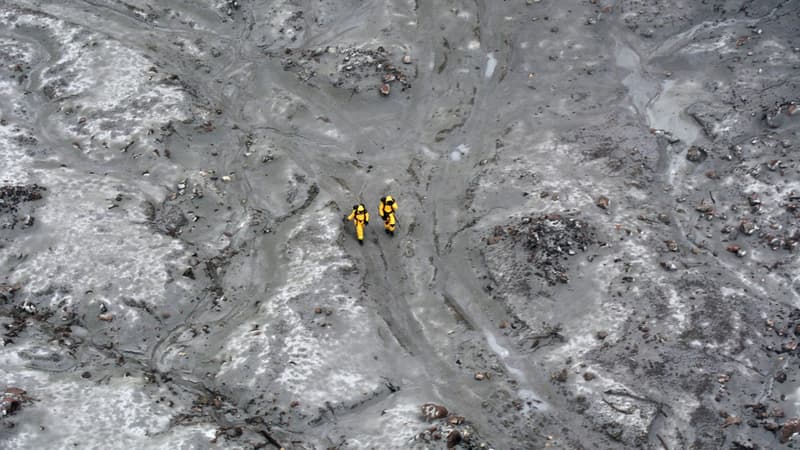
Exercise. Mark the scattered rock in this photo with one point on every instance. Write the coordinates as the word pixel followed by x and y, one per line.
pixel 105 317
pixel 601 335
pixel 603 202
pixel 480 376
pixel 589 376
pixel 671 245
pixel 189 273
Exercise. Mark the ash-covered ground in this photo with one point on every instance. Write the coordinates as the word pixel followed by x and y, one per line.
pixel 599 217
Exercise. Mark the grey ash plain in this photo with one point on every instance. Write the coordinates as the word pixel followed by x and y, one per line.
pixel 598 224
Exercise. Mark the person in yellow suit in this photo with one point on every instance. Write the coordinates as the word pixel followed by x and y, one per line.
pixel 387 211
pixel 360 218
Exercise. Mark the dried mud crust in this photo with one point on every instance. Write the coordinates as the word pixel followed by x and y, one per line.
pixel 536 246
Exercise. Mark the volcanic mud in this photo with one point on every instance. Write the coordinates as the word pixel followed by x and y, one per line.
pixel 598 224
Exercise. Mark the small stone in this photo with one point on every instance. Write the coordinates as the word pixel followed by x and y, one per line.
pixel 385 89
pixel 433 411
pixel 480 376
pixel 603 202
pixel 106 317
pixel 671 245
pixel 560 376
pixel 669 266
pixel 747 227
pixel 723 378
pixel 294 404
pixel 504 324
pixel 602 335
pixel 588 376
pixel 696 154
pixel 226 178
pixel 86 375
pixel 732 420
pixel 189 273
pixel 406 59
pixel 317 310
pixel 455 420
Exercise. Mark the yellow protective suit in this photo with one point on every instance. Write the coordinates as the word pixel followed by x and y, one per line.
pixel 360 218
pixel 387 210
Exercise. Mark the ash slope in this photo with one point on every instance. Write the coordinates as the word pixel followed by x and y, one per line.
pixel 597 243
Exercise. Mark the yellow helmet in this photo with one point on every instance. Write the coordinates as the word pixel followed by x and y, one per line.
pixel 360 208
pixel 389 199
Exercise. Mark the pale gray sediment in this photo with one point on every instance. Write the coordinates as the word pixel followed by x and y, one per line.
pixel 597 242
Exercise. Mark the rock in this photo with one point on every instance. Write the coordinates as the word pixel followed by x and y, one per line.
pixel 406 59
pixel 601 335
pixel 86 375
pixel 603 202
pixel 453 438
pixel 433 411
pixel 671 245
pixel 189 273
pixel 480 376
pixel 789 428
pixel 731 420
pixel 233 432
pixel 733 248
pixel 455 420
pixel 589 376
pixel 504 324
pixel 560 376
pixel 623 416
pixel 11 400
pixel 669 266
pixel 385 89
pixel 779 117
pixel 105 317
pixel 747 227
pixel 696 154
